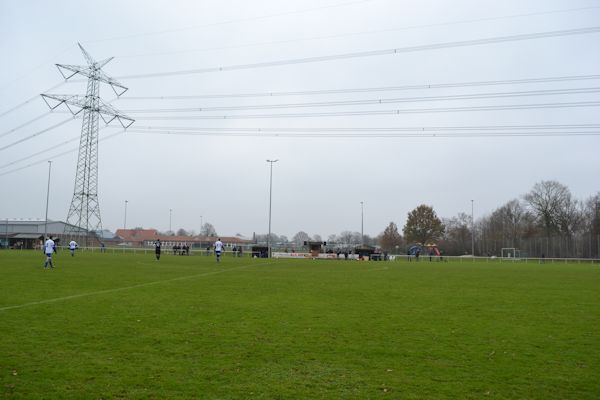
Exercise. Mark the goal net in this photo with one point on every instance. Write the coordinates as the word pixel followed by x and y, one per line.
pixel 510 252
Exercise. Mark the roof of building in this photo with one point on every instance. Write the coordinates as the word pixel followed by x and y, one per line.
pixel 24 221
pixel 41 224
pixel 26 236
pixel 143 235
pixel 137 235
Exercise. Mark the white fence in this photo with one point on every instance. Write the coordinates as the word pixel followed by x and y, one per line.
pixel 390 257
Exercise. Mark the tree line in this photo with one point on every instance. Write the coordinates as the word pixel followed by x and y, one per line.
pixel 546 221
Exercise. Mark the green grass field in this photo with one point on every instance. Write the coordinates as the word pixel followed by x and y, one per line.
pixel 103 326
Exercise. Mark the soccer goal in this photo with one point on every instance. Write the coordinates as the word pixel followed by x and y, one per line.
pixel 510 252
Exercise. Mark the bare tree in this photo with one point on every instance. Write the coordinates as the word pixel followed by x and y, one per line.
pixel 332 239
pixel 571 216
pixel 348 238
pixel 547 200
pixel 592 224
pixel 262 238
pixel 512 221
pixel 300 237
pixel 457 234
pixel 208 230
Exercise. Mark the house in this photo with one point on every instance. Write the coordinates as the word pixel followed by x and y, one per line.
pixel 147 237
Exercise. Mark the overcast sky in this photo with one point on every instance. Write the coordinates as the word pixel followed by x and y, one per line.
pixel 318 182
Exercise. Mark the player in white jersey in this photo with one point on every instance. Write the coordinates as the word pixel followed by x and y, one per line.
pixel 49 249
pixel 72 246
pixel 218 249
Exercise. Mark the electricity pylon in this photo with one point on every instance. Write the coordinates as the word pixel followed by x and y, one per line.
pixel 84 212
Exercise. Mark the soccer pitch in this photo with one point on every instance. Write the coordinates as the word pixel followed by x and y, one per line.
pixel 126 326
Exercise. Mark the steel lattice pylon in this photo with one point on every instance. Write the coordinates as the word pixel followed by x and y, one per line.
pixel 84 212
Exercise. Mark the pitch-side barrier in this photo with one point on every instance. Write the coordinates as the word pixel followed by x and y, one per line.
pixel 334 256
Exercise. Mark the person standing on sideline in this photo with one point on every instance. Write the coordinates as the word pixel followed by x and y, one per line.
pixel 72 246
pixel 218 249
pixel 49 249
pixel 157 249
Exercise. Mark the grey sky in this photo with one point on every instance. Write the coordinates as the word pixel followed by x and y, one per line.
pixel 319 182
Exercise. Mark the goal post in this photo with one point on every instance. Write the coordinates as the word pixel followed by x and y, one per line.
pixel 510 252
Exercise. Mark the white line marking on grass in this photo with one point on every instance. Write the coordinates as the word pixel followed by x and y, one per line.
pixel 378 269
pixel 76 296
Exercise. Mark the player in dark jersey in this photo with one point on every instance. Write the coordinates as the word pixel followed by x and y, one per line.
pixel 157 245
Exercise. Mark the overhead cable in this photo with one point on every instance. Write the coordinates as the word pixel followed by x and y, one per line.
pixel 37 96
pixel 247 19
pixel 340 35
pixel 370 135
pixel 378 112
pixel 31 121
pixel 57 155
pixel 36 134
pixel 372 89
pixel 469 96
pixel 378 129
pixel 435 46
pixel 38 153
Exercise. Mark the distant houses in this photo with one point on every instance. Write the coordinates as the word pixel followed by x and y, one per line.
pixel 147 237
pixel 29 233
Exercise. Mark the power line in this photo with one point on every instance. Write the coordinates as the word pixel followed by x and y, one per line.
pixel 38 153
pixel 471 96
pixel 36 134
pixel 247 19
pixel 31 121
pixel 372 89
pixel 436 46
pixel 259 132
pixel 376 31
pixel 56 155
pixel 37 96
pixel 381 112
pixel 377 129
pixel 40 65
pixel 371 135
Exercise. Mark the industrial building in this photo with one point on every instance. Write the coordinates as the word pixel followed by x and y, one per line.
pixel 29 233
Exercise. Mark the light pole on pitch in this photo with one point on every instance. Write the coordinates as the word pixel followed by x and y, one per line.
pixel 125 218
pixel 47 199
pixel 270 201
pixel 362 225
pixel 472 232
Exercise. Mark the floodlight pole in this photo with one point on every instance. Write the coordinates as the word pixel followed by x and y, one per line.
pixel 170 215
pixel 472 231
pixel 47 199
pixel 125 219
pixel 362 214
pixel 270 200
pixel 597 235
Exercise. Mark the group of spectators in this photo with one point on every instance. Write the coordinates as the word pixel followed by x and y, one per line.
pixel 181 249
